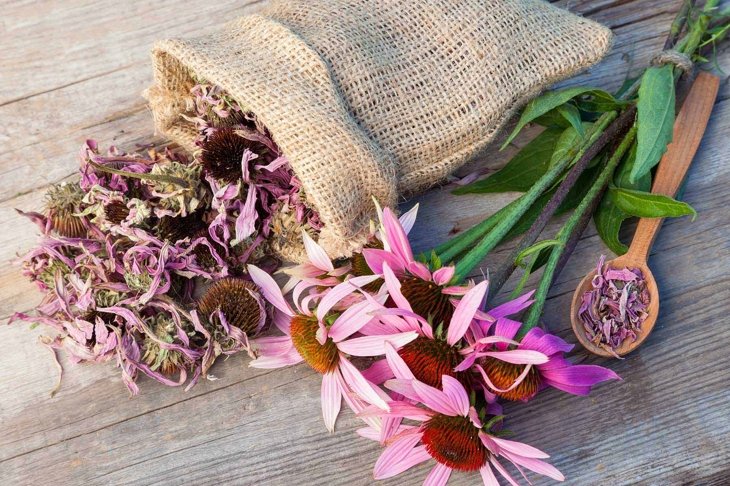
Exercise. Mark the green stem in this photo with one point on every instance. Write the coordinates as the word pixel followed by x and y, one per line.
pixel 512 216
pixel 566 231
pixel 688 45
pixel 144 176
pixel 452 248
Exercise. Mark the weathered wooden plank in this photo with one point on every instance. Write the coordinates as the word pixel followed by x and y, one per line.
pixel 665 424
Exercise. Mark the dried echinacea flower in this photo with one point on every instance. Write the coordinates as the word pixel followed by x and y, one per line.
pixel 62 205
pixel 237 301
pixel 616 306
pixel 223 151
pixel 116 212
pixel 172 229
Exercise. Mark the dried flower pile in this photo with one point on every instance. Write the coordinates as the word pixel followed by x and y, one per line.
pixel 614 310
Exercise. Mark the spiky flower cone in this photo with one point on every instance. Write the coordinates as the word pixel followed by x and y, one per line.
pixel 236 300
pixel 62 204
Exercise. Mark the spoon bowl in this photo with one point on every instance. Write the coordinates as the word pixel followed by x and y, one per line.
pixel 689 127
pixel 628 345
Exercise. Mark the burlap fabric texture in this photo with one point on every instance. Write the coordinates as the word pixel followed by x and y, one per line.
pixel 376 98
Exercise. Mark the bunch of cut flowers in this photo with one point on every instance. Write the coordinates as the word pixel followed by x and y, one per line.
pixel 415 353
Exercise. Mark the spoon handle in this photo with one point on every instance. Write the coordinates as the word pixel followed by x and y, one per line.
pixel 688 130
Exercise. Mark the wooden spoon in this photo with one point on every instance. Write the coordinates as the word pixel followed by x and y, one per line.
pixel 688 130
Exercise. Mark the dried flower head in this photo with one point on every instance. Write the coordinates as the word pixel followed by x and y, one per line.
pixel 62 204
pixel 237 299
pixel 172 229
pixel 223 152
pixel 116 212
pixel 166 361
pixel 177 198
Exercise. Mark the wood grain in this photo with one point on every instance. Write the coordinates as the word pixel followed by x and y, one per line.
pixel 74 69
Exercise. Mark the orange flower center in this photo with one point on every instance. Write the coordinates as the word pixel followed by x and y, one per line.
pixel 454 442
pixel 323 358
pixel 427 300
pixel 503 375
pixel 430 359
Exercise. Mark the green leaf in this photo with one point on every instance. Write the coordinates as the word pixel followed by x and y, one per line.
pixel 572 115
pixel 647 205
pixel 569 139
pixel 522 171
pixel 600 101
pixel 627 84
pixel 543 104
pixel 655 119
pixel 552 119
pixel 622 179
pixel 608 220
pixel 539 246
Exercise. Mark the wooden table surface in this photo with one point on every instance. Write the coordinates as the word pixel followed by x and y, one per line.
pixel 71 70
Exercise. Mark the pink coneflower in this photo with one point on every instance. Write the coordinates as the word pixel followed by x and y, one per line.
pixel 451 432
pixel 324 340
pixel 428 293
pixel 514 381
pixel 437 352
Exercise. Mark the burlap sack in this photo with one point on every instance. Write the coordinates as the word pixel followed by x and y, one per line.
pixel 376 97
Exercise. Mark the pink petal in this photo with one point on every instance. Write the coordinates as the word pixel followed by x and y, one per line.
pixel 456 393
pixel 378 372
pixel 503 471
pixel 513 306
pixel 270 289
pixel 507 327
pixel 375 258
pixel 438 476
pixel 331 399
pixel 316 253
pixel 339 292
pixel 393 286
pixel 387 464
pixel 536 465
pixel 519 448
pixel 350 321
pixel 408 219
pixel 280 361
pixel 369 433
pixel 398 409
pixel 464 312
pixel 367 346
pixel 420 270
pixel 272 346
pixel 518 356
pixel 396 237
pixel 488 476
pixel 580 375
pixel 403 387
pixel 358 384
pixel 443 275
pixel 435 399
pixel 396 363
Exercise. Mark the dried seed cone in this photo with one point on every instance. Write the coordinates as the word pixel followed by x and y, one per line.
pixel 116 212
pixel 237 299
pixel 62 202
pixel 173 229
pixel 222 154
